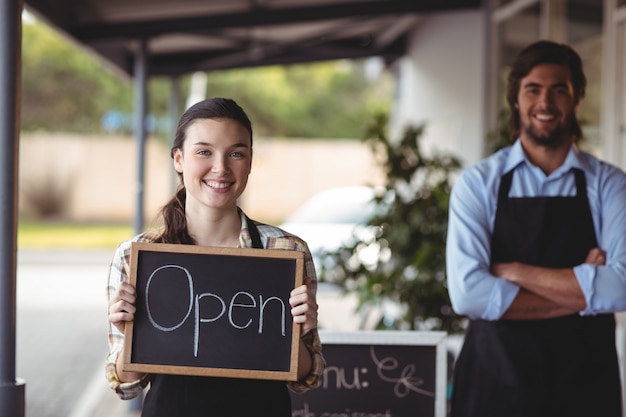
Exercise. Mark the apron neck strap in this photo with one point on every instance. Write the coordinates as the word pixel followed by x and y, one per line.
pixel 254 233
pixel 507 179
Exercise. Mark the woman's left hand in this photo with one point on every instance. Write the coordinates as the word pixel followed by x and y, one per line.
pixel 304 306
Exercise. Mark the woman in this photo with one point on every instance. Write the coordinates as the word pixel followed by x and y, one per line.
pixel 212 155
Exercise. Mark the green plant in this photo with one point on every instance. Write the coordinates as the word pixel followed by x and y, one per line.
pixel 409 268
pixel 500 138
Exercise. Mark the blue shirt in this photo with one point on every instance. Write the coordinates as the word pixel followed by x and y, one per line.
pixel 474 291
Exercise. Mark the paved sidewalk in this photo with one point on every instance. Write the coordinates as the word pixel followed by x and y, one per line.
pixel 61 330
pixel 111 405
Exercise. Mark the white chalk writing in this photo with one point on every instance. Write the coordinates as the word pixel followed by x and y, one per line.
pixel 239 301
pixel 306 412
pixel 341 379
pixel 405 382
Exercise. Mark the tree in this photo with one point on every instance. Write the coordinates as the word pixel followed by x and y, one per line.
pixel 409 271
pixel 319 100
pixel 65 88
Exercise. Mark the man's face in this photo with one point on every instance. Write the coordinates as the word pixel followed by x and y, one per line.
pixel 546 103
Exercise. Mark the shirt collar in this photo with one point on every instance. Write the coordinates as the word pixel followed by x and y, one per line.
pixel 572 160
pixel 245 240
pixel 516 156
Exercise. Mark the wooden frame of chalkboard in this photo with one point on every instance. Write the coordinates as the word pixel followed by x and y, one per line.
pixel 379 373
pixel 212 311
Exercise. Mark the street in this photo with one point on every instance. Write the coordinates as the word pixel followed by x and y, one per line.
pixel 61 331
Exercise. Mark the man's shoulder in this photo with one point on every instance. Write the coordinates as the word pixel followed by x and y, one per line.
pixel 488 170
pixel 599 168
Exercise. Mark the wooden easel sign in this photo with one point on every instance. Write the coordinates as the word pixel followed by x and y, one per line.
pixel 213 311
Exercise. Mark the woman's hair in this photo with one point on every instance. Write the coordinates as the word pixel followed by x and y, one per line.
pixel 544 52
pixel 173 213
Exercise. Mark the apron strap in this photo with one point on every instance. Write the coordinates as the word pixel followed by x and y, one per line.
pixel 507 179
pixel 581 183
pixel 505 186
pixel 254 233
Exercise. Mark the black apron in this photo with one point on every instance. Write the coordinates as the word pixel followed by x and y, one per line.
pixel 195 396
pixel 566 366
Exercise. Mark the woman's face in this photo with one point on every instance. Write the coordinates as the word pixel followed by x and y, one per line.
pixel 215 163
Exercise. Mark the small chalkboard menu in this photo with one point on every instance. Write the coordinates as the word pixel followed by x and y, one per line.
pixel 213 311
pixel 378 374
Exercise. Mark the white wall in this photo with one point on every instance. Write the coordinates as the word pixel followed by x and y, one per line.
pixel 441 83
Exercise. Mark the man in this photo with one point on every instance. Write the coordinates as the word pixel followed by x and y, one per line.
pixel 536 257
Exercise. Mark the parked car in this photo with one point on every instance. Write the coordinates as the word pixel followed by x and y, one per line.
pixel 333 218
pixel 328 220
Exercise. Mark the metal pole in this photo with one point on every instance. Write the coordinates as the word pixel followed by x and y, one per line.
pixel 12 391
pixel 174 114
pixel 140 112
pixel 140 81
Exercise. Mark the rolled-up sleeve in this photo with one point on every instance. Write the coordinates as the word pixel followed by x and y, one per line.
pixel 125 390
pixel 312 343
pixel 118 272
pixel 604 286
pixel 311 340
pixel 473 290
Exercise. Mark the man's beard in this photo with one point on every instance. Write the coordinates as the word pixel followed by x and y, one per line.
pixel 553 139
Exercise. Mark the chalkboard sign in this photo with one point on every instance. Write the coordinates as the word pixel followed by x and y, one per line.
pixel 213 311
pixel 378 374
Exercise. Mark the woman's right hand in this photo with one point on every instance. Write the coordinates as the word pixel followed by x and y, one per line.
pixel 122 306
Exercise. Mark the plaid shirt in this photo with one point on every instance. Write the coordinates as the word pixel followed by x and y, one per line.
pixel 272 238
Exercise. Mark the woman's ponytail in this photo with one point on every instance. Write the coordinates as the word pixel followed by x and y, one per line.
pixel 175 220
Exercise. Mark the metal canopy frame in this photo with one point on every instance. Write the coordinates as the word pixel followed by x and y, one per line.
pixel 184 36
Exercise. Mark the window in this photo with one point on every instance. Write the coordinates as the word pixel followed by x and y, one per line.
pixel 584 34
pixel 513 33
pixel 575 22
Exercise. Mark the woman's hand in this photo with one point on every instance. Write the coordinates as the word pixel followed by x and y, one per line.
pixel 304 306
pixel 122 306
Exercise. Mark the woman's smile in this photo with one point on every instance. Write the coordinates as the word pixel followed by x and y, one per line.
pixel 219 186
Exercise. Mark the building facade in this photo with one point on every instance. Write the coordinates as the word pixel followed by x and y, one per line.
pixel 453 77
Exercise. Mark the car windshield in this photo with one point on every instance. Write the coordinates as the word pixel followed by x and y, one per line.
pixel 348 205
